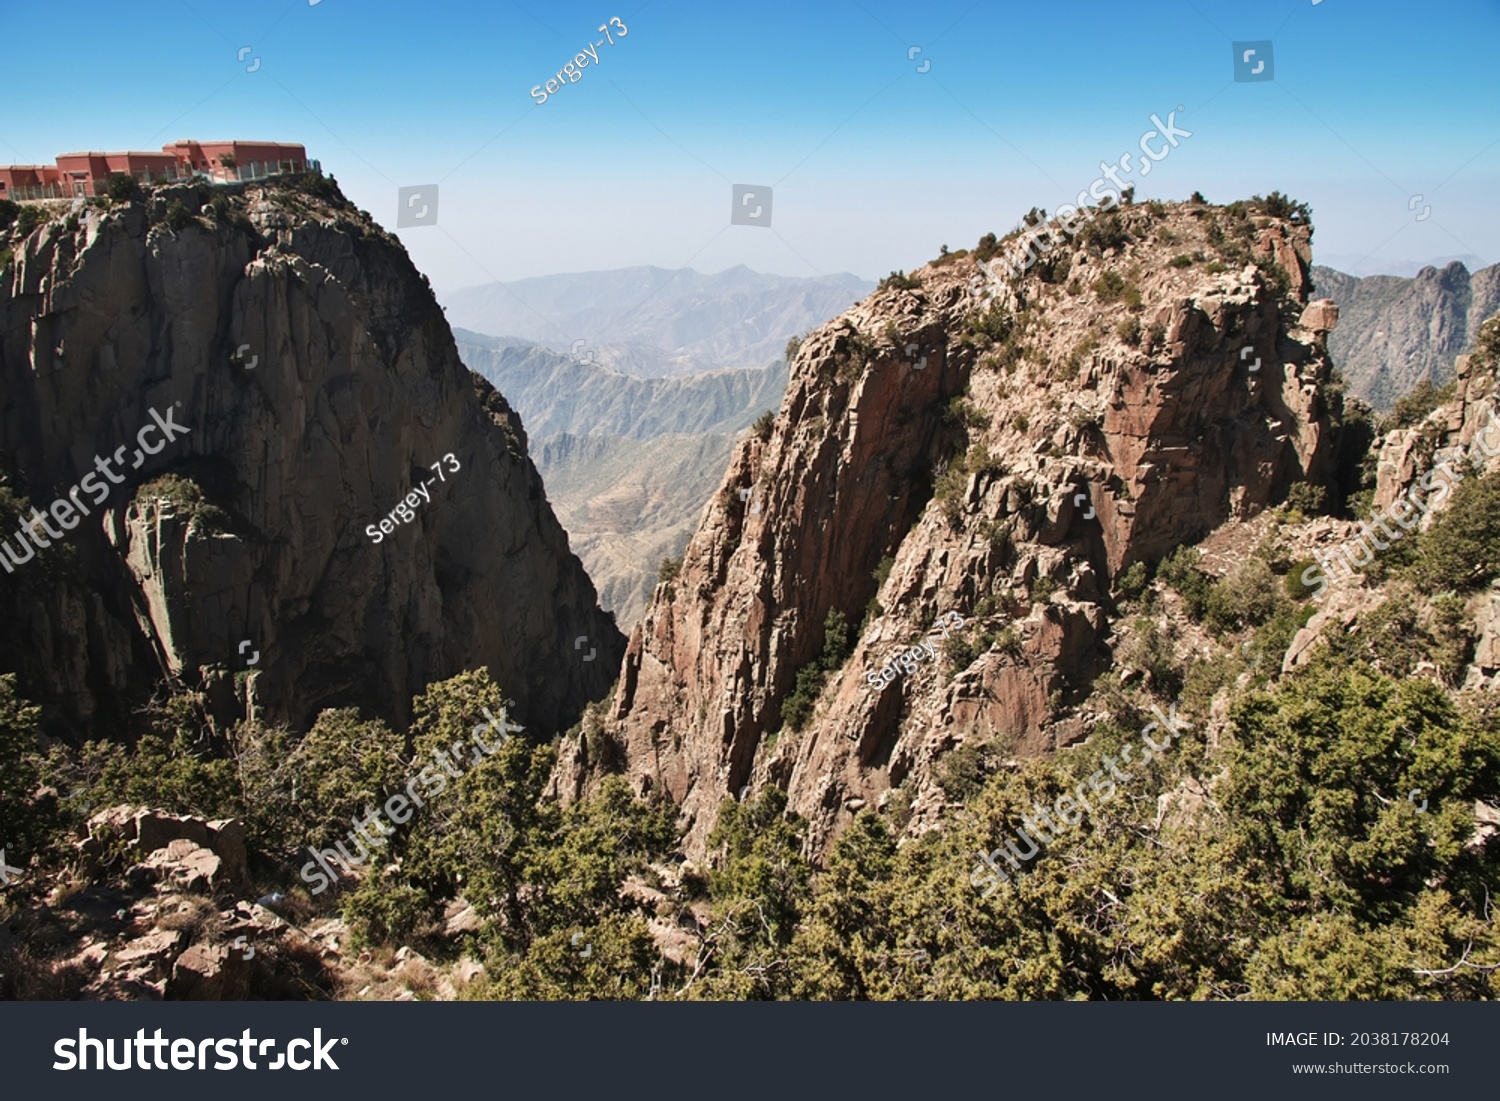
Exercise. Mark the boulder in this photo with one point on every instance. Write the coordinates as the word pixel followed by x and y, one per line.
pixel 211 973
pixel 1321 316
pixel 187 867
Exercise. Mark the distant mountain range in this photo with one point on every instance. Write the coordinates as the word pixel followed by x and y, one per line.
pixel 628 463
pixel 1394 331
pixel 655 322
pixel 1355 263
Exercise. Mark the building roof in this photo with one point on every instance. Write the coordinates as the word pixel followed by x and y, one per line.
pixel 237 141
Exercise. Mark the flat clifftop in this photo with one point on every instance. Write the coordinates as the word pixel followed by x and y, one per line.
pixel 997 444
pixel 322 391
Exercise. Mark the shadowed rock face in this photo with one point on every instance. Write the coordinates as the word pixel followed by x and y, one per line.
pixel 320 385
pixel 1083 446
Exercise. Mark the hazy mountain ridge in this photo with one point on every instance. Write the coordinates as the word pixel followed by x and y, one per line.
pixel 1395 331
pixel 557 394
pixel 629 503
pixel 650 319
pixel 627 462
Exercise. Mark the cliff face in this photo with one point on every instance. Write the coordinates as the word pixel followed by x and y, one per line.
pixel 1394 332
pixel 320 386
pixel 1112 413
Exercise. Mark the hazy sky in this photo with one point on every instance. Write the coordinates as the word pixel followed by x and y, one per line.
pixel 873 164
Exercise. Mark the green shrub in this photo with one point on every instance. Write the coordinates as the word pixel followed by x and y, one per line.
pixel 1054 267
pixel 1277 205
pixel 962 411
pixel 1247 597
pixel 315 184
pixel 852 352
pixel 386 911
pixel 1180 571
pixel 1413 407
pixel 178 216
pixel 29 218
pixel 1461 551
pixel 1292 582
pixel 994 324
pixel 1133 581
pixel 1074 363
pixel 1406 630
pixel 122 187
pixel 1129 331
pixel 25 822
pixel 961 772
pixel 1146 649
pixel 763 424
pixel 1308 499
pixel 838 644
pixel 1105 232
pixel 9 211
pixel 1110 287
pixel 668 569
pixel 1181 260
pixel 899 280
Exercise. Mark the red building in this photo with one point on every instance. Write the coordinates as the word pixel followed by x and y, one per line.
pixel 81 171
pixel 207 156
pixel 22 179
pixel 82 174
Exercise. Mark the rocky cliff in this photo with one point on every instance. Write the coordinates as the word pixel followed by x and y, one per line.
pixel 1395 332
pixel 320 388
pixel 1003 456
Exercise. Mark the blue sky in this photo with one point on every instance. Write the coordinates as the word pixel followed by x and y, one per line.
pixel 873 164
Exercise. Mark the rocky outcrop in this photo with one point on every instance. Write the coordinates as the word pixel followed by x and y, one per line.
pixel 1452 433
pixel 319 386
pixel 931 457
pixel 203 855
